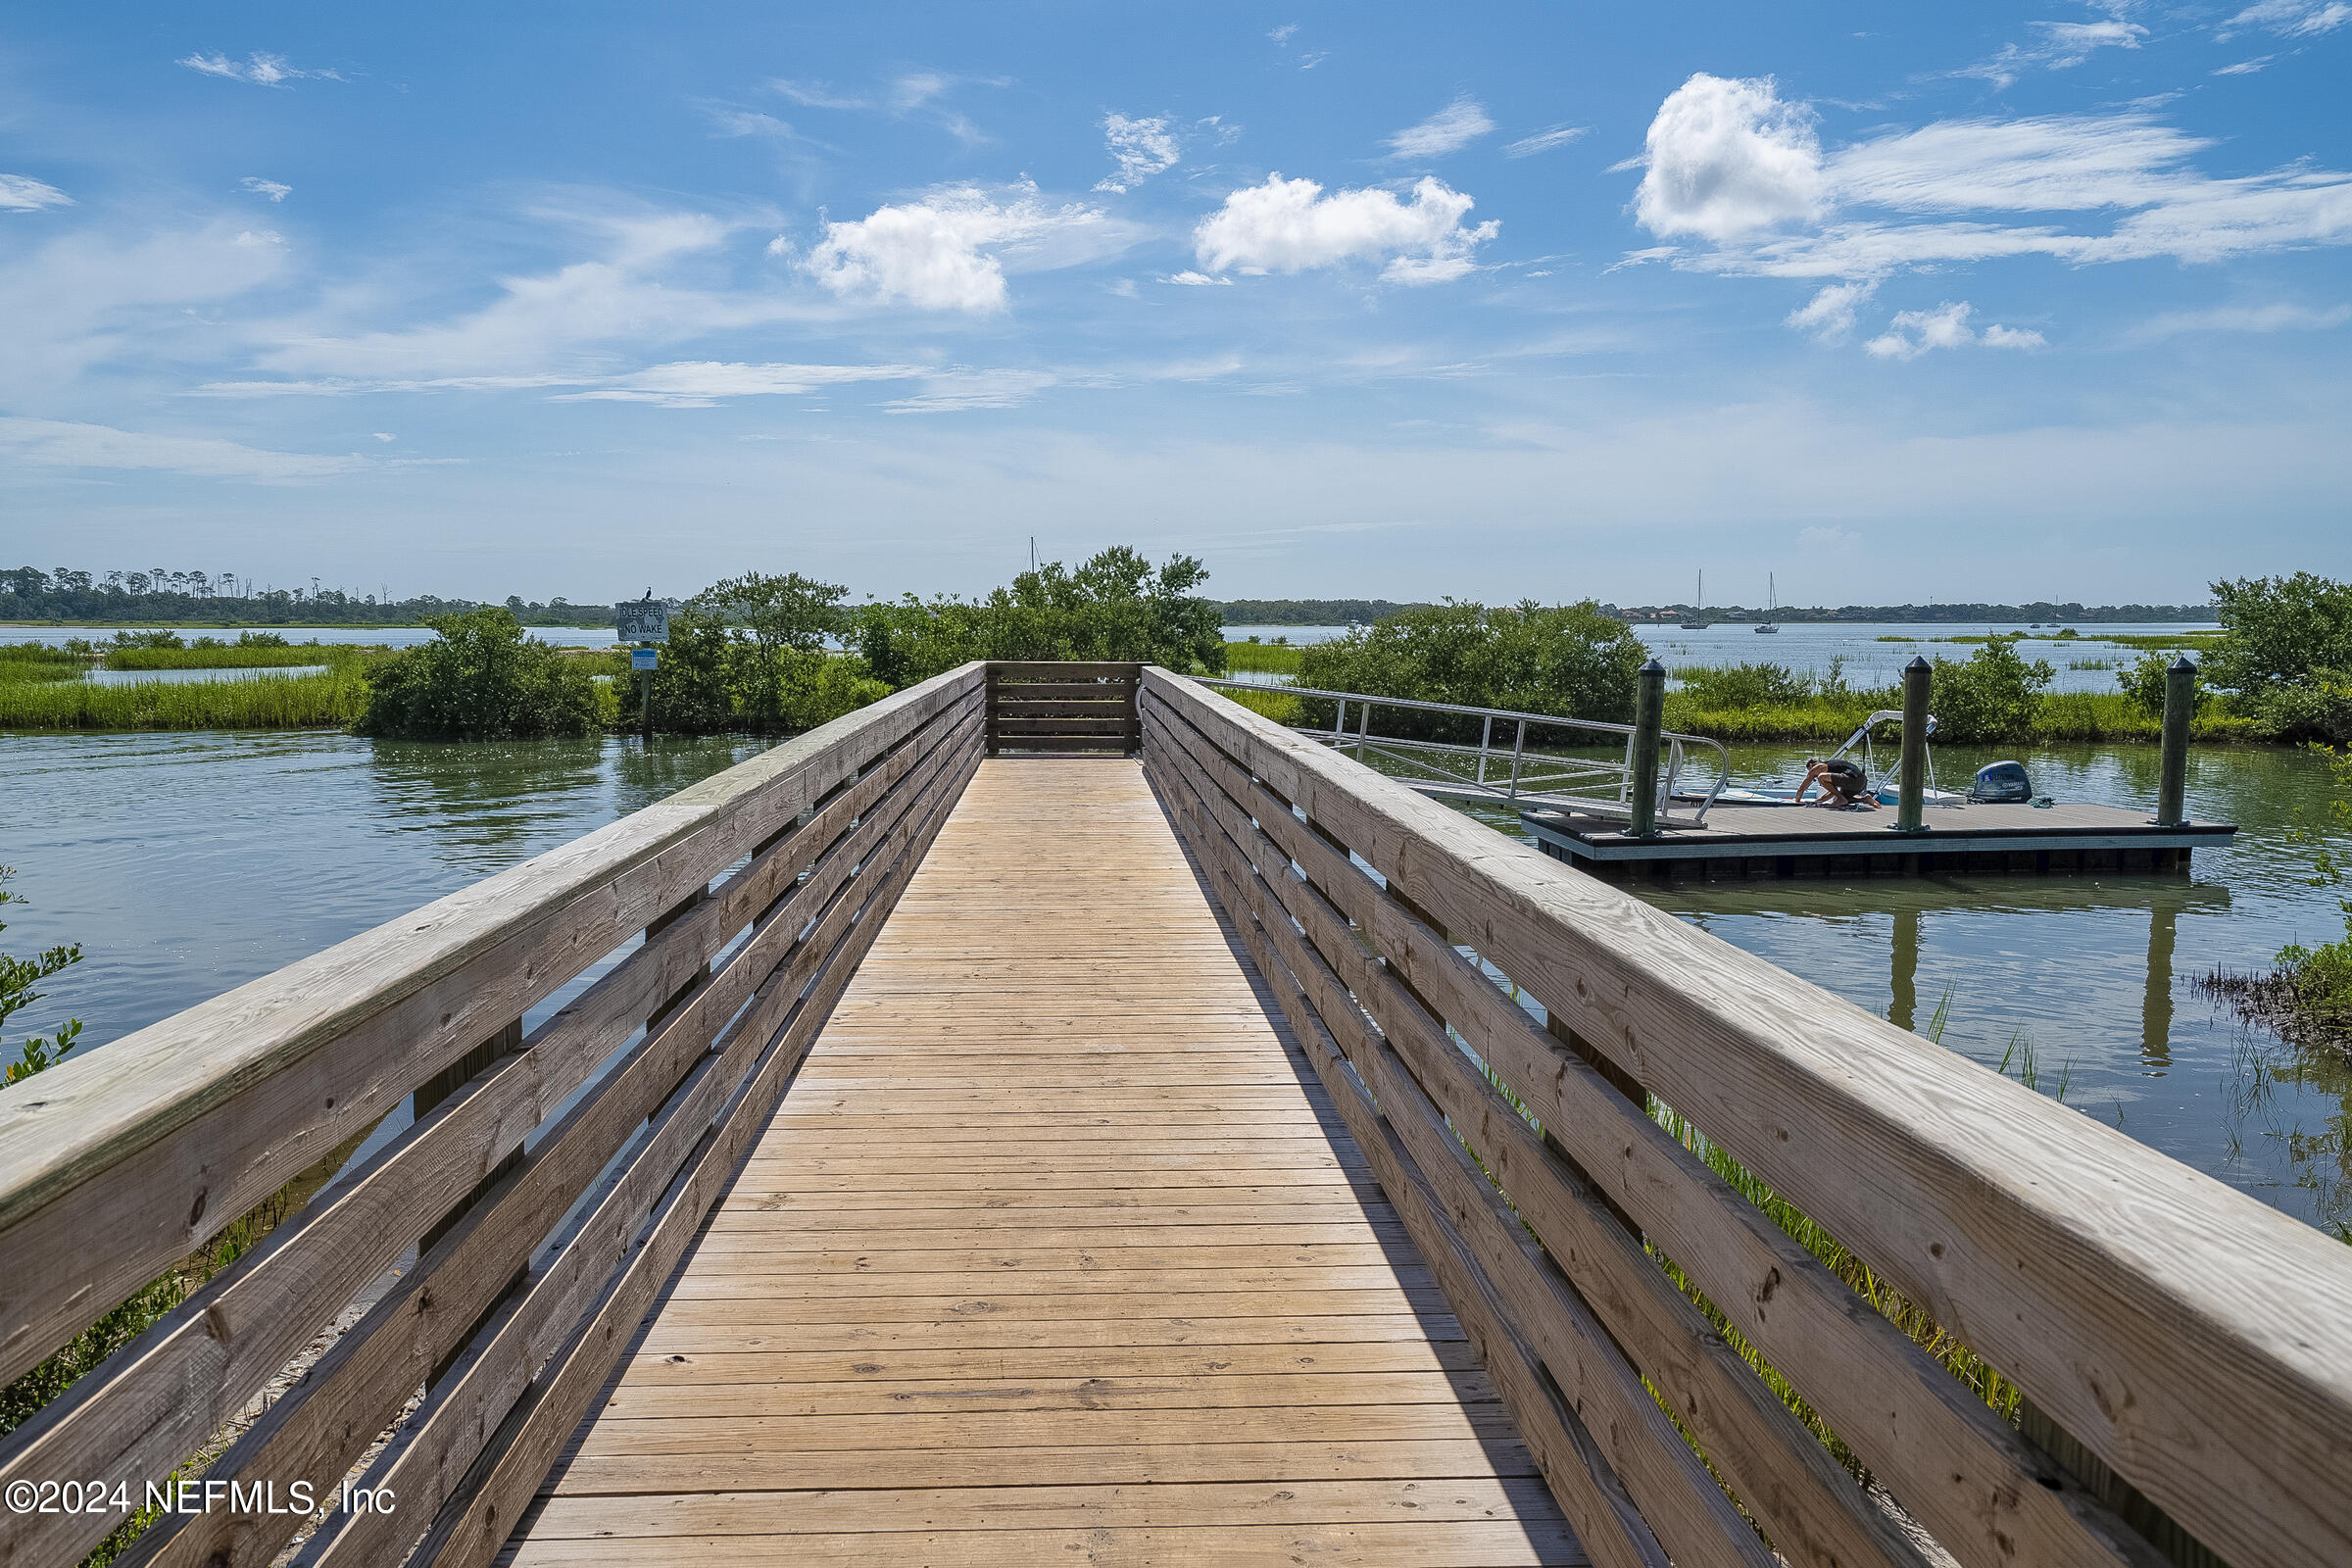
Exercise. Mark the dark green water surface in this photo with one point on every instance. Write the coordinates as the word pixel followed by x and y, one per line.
pixel 190 863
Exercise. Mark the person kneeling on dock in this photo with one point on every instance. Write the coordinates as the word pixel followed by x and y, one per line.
pixel 1843 784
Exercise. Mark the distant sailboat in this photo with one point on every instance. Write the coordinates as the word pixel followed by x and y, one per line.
pixel 1695 623
pixel 1772 604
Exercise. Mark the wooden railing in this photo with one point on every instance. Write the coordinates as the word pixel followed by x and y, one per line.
pixel 543 1240
pixel 1064 707
pixel 2197 1345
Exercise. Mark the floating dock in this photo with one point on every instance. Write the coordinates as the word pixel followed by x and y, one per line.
pixel 1793 841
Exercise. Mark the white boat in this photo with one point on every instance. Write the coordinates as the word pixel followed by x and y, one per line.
pixel 1771 604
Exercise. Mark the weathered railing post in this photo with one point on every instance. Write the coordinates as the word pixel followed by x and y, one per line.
pixel 2179 706
pixel 1913 791
pixel 1642 765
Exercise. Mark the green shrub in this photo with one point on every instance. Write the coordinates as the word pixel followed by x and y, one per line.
pixel 480 680
pixel 1748 686
pixel 1115 605
pixel 1568 660
pixel 714 678
pixel 1992 696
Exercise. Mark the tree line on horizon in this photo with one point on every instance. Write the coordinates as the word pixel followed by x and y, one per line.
pixel 68 594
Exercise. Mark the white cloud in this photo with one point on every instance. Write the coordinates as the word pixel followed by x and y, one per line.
pixel 1448 131
pixel 701 384
pixel 270 188
pixel 1725 158
pixel 817 95
pixel 2290 18
pixel 261 70
pixel 947 251
pixel 2062 44
pixel 1913 333
pixel 1189 280
pixel 957 391
pixel 1819 538
pixel 729 121
pixel 386 435
pixel 22 193
pixel 2245 67
pixel 1830 314
pixel 2279 317
pixel 1289 225
pixel 1544 141
pixel 58 444
pixel 1282 35
pixel 1141 148
pixel 256 240
pixel 637 286
pixel 683 384
pixel 1309 62
pixel 912 92
pixel 1965 174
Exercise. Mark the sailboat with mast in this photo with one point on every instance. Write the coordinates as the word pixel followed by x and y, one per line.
pixel 1698 621
pixel 1772 608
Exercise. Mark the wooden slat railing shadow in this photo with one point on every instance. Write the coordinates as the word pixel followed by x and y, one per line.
pixel 755 894
pixel 2195 1341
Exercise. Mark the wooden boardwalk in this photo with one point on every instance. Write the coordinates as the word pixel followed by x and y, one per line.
pixel 1054 1253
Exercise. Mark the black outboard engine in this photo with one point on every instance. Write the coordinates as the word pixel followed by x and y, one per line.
pixel 2002 784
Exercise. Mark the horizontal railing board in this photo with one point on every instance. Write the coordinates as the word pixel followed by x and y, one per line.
pixel 1007 671
pixel 1946 1457
pixel 221 1103
pixel 154 1402
pixel 1803 1499
pixel 1067 691
pixel 320 1430
pixel 1105 745
pixel 1002 709
pixel 477 1522
pixel 443 1439
pixel 1605 1519
pixel 2103 1278
pixel 1015 726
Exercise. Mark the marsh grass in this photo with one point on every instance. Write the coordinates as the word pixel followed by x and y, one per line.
pixel 1272 659
pixel 231 657
pixel 273 702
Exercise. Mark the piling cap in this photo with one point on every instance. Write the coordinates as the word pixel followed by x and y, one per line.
pixel 1653 667
pixel 2182 664
pixel 1917 666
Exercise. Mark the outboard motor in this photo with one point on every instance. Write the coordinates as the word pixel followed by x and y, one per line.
pixel 2002 784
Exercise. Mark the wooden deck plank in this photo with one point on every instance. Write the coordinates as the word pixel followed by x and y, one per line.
pixel 1055 1248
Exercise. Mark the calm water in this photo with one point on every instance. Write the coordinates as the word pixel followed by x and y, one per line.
pixel 1869 662
pixel 187 864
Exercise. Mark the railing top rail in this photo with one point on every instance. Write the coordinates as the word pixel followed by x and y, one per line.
pixel 1378 700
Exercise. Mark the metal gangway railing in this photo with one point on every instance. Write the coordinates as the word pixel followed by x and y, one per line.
pixel 1519 760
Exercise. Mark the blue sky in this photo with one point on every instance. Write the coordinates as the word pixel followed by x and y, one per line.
pixel 1982 302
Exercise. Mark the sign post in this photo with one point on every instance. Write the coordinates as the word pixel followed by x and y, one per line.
pixel 642 622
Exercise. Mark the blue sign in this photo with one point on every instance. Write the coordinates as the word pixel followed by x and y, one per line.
pixel 644 658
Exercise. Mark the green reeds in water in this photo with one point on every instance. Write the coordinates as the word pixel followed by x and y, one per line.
pixel 1274 658
pixel 273 702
